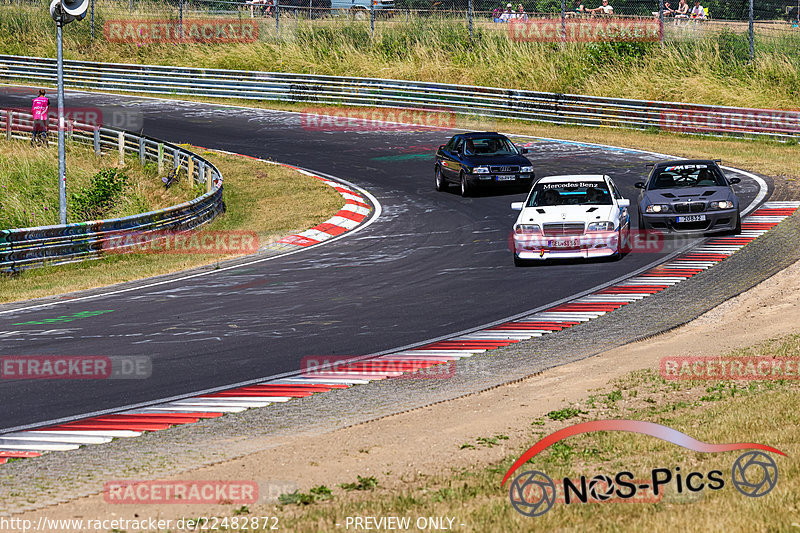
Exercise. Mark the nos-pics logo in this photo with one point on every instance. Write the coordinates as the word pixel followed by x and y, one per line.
pixel 533 493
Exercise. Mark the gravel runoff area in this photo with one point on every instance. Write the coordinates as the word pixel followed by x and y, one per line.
pixel 34 484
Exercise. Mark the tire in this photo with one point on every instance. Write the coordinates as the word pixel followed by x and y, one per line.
pixel 641 223
pixel 441 183
pixel 518 262
pixel 738 229
pixel 466 190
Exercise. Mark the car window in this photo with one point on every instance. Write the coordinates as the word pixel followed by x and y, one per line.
pixel 570 193
pixel 459 144
pixel 493 145
pixel 450 146
pixel 614 189
pixel 680 176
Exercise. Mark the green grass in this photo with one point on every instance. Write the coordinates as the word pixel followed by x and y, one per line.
pixel 713 68
pixel 29 192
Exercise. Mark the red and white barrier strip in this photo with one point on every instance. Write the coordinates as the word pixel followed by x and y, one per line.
pixel 102 429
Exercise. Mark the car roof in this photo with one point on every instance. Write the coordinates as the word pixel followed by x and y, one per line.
pixel 482 134
pixel 679 162
pixel 573 177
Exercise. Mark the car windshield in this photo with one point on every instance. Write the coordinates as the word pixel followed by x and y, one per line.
pixel 569 193
pixel 680 176
pixel 489 146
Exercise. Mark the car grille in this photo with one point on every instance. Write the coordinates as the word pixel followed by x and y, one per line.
pixel 565 228
pixel 689 207
pixel 504 169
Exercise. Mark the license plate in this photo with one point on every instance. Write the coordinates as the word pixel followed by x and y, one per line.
pixel 571 243
pixel 692 218
pixel 511 177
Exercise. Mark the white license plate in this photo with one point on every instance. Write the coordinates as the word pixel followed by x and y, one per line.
pixel 571 243
pixel 507 178
pixel 692 218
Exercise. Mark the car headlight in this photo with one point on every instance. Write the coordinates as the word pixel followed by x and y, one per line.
pixel 724 204
pixel 526 170
pixel 657 208
pixel 526 229
pixel 480 170
pixel 600 226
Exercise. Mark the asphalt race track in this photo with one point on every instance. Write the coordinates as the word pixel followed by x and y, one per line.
pixel 431 265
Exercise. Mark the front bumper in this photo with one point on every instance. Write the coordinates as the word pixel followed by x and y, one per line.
pixel 494 180
pixel 724 220
pixel 585 246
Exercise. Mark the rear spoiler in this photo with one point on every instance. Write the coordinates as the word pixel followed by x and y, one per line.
pixel 648 165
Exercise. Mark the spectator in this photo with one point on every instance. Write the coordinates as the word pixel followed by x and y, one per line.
pixel 498 11
pixel 668 11
pixel 521 13
pixel 682 12
pixel 261 5
pixel 698 12
pixel 577 9
pixel 39 109
pixel 508 14
pixel 604 9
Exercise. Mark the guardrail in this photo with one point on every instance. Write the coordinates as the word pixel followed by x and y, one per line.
pixel 490 102
pixel 29 247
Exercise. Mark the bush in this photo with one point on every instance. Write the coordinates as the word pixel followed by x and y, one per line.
pixel 95 201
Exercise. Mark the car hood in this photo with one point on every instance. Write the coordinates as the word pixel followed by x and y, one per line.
pixel 568 213
pixel 479 160
pixel 689 194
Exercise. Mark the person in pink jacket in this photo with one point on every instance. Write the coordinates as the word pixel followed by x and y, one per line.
pixel 39 109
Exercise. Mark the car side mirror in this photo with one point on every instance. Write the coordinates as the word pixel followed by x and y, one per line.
pixel 517 206
pixel 441 147
pixel 639 185
pixel 624 202
pixel 734 181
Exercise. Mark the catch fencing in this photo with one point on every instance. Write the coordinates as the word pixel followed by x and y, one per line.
pixel 495 103
pixel 29 247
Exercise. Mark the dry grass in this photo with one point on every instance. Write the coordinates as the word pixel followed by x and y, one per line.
pixel 270 200
pixel 724 412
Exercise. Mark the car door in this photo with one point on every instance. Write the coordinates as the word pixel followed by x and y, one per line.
pixel 450 161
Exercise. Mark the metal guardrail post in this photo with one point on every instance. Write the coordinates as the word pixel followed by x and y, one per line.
pixel 142 154
pixel 96 141
pixel 469 17
pixel 201 171
pixel 176 158
pixel 9 120
pixel 372 17
pixel 751 37
pixel 121 142
pixel 160 158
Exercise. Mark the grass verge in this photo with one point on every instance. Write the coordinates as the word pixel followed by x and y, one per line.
pixel 711 68
pixel 268 199
pixel 715 412
pixel 29 181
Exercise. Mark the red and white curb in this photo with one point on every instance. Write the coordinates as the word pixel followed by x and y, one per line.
pixel 101 429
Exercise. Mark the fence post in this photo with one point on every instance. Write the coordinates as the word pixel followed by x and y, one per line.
pixel 9 119
pixel 750 32
pixel 160 158
pixel 121 142
pixel 176 158
pixel 130 6
pixel 277 19
pixel 563 20
pixel 372 17
pixel 142 153
pixel 469 17
pixel 661 22
pixel 201 171
pixel 190 169
pixel 91 18
pixel 209 179
pixel 180 20
pixel 97 141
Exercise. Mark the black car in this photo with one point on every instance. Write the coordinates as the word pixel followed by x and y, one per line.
pixel 480 159
pixel 689 196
